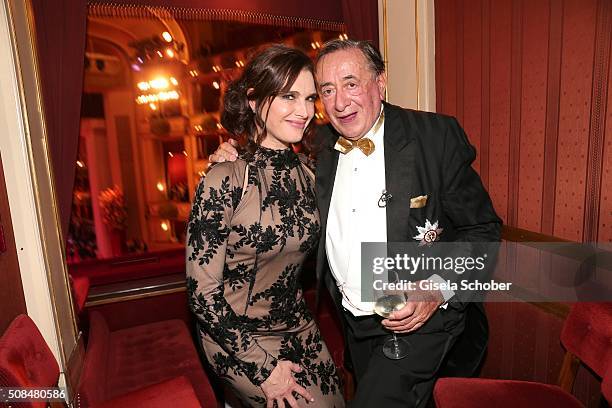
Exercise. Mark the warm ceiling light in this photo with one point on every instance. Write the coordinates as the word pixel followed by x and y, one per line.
pixel 160 54
pixel 166 96
pixel 170 154
pixel 164 226
pixel 144 86
pixel 80 164
pixel 169 52
pixel 159 83
pixel 215 85
pixel 160 186
pixel 219 126
pixel 167 36
pixel 152 106
pixel 184 153
pixel 173 81
pixel 160 96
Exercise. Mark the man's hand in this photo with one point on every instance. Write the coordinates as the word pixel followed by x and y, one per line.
pixel 421 305
pixel 226 152
pixel 280 386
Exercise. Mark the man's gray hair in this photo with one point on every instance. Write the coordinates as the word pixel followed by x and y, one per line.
pixel 371 54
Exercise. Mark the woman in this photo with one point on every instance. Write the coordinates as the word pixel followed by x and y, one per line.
pixel 252 223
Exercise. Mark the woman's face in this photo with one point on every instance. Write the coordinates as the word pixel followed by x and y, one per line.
pixel 290 113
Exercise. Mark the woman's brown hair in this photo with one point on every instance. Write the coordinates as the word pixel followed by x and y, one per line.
pixel 269 73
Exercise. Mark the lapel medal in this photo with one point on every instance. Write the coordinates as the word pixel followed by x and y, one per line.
pixel 429 233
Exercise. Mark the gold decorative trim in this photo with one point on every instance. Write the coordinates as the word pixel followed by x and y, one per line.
pixel 127 298
pixel 116 10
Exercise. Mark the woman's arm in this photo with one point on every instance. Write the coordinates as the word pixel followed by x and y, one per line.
pixel 208 230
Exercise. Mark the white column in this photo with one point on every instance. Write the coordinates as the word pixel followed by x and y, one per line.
pixel 93 133
pixel 407 41
pixel 19 172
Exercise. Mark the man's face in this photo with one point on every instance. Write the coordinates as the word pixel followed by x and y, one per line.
pixel 351 93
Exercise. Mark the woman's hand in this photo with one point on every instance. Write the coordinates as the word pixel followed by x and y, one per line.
pixel 280 386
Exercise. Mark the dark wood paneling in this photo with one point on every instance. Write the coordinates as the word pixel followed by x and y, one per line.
pixel 12 301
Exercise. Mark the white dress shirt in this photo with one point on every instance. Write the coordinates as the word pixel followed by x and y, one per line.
pixel 355 217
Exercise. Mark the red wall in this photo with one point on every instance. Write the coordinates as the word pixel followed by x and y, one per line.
pixel 528 80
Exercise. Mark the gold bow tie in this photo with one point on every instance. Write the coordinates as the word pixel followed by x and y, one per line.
pixel 364 144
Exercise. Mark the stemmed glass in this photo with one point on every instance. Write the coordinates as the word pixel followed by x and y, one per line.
pixel 386 303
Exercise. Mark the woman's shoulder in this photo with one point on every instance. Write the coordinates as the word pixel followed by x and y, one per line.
pixel 232 172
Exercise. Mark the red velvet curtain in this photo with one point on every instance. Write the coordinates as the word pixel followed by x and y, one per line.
pixel 361 19
pixel 60 35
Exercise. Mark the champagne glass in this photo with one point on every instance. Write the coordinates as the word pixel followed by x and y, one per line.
pixel 386 303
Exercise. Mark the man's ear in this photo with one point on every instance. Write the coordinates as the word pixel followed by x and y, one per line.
pixel 381 82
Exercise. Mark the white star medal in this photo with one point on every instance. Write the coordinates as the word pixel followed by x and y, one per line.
pixel 429 233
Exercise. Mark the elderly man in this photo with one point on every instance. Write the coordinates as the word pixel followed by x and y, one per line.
pixel 373 165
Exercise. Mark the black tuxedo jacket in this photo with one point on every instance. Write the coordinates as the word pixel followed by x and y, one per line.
pixel 425 154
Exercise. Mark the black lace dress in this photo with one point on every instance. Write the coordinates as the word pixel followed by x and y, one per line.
pixel 244 256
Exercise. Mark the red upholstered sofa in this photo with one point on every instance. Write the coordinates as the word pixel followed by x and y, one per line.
pixel 129 360
pixel 587 338
pixel 26 360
